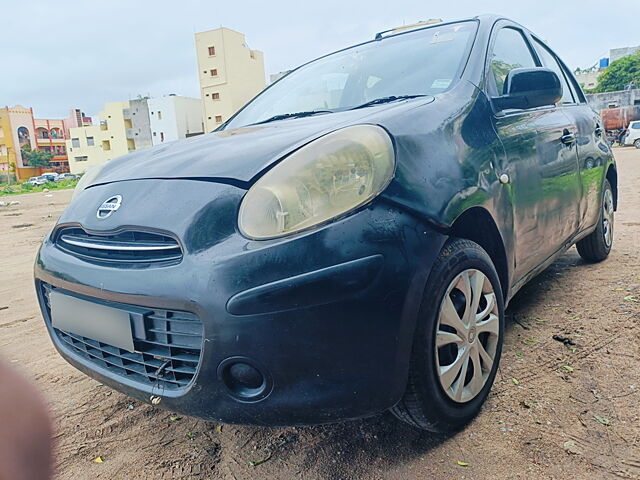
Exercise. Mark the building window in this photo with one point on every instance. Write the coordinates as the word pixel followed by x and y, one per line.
pixel 81 159
pixel 90 141
pixel 215 96
pixel 162 136
pixel 154 134
pixel 212 51
pixel 214 72
pixel 106 145
pixel 75 142
pixel 218 118
pixel 159 115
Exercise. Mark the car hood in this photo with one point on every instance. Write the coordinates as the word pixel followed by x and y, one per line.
pixel 239 154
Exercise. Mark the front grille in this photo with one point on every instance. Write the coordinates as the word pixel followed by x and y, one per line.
pixel 124 248
pixel 167 346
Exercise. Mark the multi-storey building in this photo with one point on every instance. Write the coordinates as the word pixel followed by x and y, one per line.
pixel 133 125
pixel 230 74
pixel 173 117
pixel 19 129
pixel 122 128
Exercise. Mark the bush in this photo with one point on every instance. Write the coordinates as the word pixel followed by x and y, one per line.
pixel 27 187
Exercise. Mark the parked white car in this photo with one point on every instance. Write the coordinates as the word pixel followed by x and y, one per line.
pixel 41 180
pixel 633 134
pixel 66 176
pixel 51 176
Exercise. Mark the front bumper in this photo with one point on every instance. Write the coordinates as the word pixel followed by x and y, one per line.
pixel 327 316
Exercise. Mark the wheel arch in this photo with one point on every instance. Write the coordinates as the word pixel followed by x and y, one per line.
pixel 477 224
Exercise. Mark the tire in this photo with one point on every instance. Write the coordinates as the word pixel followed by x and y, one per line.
pixel 637 143
pixel 596 246
pixel 427 402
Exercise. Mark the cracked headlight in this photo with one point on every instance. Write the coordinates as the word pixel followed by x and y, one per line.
pixel 325 179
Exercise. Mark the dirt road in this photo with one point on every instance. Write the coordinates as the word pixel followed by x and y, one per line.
pixel 556 411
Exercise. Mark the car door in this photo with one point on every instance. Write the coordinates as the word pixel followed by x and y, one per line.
pixel 540 164
pixel 591 146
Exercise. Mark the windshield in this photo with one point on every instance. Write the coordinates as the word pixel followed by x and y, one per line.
pixel 421 62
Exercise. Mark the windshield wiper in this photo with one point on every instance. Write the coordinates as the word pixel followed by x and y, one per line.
pixel 284 116
pixel 390 98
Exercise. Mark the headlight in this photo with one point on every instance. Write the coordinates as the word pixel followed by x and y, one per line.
pixel 322 180
pixel 87 178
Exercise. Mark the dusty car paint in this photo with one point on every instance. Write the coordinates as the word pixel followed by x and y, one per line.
pixel 255 297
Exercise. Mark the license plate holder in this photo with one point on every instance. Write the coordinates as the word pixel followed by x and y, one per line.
pixel 91 320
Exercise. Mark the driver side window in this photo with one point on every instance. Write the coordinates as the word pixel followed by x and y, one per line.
pixel 509 51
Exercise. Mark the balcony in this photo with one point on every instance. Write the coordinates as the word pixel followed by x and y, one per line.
pixel 48 141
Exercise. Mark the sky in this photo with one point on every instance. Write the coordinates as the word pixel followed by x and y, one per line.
pixel 65 54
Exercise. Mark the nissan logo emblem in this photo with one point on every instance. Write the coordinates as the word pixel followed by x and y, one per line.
pixel 109 206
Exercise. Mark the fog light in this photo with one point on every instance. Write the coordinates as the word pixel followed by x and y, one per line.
pixel 244 379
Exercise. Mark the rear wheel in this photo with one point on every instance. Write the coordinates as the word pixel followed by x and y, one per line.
pixel 458 340
pixel 596 246
pixel 637 143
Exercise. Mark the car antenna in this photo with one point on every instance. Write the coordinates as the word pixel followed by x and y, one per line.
pixel 423 23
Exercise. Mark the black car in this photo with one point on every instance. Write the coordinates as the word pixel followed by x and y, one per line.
pixel 345 244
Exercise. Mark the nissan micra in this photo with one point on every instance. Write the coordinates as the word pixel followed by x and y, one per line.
pixel 345 244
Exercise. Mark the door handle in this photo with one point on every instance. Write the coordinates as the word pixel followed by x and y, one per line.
pixel 568 138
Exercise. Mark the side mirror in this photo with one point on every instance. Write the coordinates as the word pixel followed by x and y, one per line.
pixel 529 88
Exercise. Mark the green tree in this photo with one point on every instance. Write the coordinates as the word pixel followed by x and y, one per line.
pixel 35 158
pixel 619 74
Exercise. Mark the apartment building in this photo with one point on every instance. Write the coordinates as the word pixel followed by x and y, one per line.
pixel 230 74
pixel 19 129
pixel 125 127
pixel 122 128
pixel 174 117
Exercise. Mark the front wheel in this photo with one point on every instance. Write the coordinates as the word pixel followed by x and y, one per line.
pixel 596 246
pixel 458 340
pixel 637 143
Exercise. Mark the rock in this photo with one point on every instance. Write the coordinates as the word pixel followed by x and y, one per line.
pixel 572 448
pixel 3 204
pixel 45 190
pixel 14 202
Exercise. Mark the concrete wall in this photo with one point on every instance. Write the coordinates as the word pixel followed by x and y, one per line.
pixel 588 80
pixel 139 134
pixel 618 53
pixel 238 74
pixel 622 98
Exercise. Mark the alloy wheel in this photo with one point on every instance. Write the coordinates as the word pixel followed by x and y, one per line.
pixel 467 335
pixel 607 217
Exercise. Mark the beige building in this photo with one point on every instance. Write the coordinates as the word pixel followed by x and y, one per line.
pixel 588 79
pixel 125 127
pixel 230 74
pixel 122 128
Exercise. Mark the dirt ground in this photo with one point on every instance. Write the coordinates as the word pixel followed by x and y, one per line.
pixel 556 411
